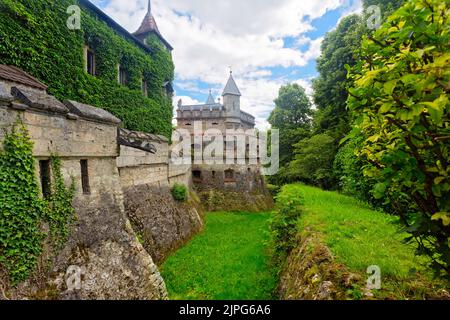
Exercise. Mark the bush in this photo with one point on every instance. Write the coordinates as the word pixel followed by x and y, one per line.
pixel 273 189
pixel 180 192
pixel 401 103
pixel 283 225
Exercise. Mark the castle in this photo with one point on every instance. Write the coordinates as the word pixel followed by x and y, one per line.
pixel 216 115
pixel 127 221
pixel 239 179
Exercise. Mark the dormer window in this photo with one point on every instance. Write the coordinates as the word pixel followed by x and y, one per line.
pixel 123 76
pixel 89 61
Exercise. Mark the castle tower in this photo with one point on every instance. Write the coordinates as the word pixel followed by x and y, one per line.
pixel 148 27
pixel 232 101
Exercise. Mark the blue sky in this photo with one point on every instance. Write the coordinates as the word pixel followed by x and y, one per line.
pixel 268 43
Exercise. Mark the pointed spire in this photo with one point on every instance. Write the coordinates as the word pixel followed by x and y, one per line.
pixel 149 23
pixel 231 87
pixel 210 98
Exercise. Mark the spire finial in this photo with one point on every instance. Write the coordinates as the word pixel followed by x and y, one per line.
pixel 231 70
pixel 149 12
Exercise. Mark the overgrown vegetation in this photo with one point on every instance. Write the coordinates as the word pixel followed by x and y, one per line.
pixel 180 192
pixel 283 225
pixel 402 108
pixel 229 260
pixel 359 237
pixel 23 212
pixel 36 39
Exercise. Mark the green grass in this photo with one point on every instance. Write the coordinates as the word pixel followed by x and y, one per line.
pixel 229 260
pixel 357 235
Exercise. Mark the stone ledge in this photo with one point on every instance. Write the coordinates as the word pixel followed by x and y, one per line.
pixel 39 99
pixel 90 112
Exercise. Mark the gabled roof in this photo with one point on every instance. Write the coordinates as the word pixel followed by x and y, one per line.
pixel 231 87
pixel 16 75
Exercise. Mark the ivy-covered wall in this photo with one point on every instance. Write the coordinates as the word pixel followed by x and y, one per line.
pixel 34 37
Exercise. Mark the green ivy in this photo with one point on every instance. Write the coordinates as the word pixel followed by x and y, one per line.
pixel 35 38
pixel 23 212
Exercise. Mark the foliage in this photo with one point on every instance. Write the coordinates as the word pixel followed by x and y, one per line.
pixel 401 104
pixel 22 211
pixel 283 225
pixel 273 189
pixel 180 192
pixel 60 213
pixel 359 237
pixel 229 260
pixel 313 161
pixel 292 116
pixel 35 38
pixel 339 47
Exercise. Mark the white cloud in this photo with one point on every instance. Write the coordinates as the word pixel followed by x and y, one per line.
pixel 209 36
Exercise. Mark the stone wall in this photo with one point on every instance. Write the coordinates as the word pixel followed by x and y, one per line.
pixel 102 243
pixel 162 224
pixel 231 188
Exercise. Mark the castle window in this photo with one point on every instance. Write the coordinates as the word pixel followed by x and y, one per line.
pixel 122 76
pixel 197 176
pixel 215 123
pixel 144 88
pixel 90 61
pixel 213 174
pixel 229 176
pixel 45 177
pixel 85 177
pixel 188 124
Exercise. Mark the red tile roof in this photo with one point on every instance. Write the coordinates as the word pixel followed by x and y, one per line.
pixel 16 75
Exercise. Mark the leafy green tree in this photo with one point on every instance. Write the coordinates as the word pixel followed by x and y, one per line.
pixel 313 161
pixel 330 88
pixel 292 116
pixel 401 105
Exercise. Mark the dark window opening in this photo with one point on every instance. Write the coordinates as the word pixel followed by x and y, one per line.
pixel 44 173
pixel 85 177
pixel 215 123
pixel 229 176
pixel 144 88
pixel 213 174
pixel 197 176
pixel 123 76
pixel 188 124
pixel 90 62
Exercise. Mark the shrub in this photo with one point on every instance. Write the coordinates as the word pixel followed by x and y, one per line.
pixel 180 192
pixel 283 225
pixel 401 103
pixel 273 189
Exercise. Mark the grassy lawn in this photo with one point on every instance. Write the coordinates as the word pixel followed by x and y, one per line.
pixel 360 237
pixel 229 260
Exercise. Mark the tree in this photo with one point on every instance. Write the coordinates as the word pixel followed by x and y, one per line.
pixel 401 105
pixel 313 161
pixel 330 88
pixel 292 116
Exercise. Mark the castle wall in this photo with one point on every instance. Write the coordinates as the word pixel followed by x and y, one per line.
pixel 101 242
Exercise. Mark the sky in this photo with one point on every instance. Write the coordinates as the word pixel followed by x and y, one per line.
pixel 267 43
